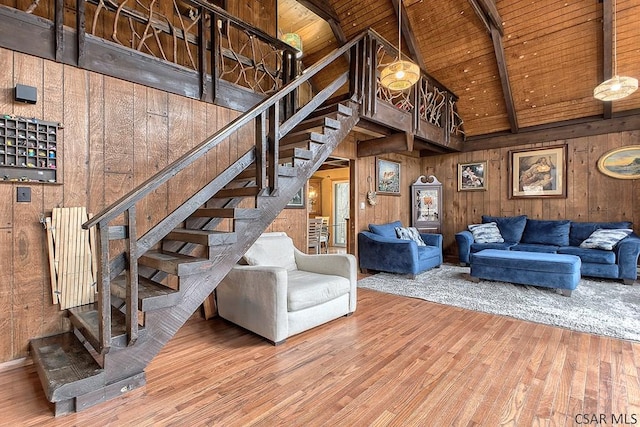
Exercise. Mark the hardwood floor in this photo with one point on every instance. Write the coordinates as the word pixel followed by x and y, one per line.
pixel 396 361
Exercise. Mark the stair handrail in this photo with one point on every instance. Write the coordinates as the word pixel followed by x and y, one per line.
pixel 155 181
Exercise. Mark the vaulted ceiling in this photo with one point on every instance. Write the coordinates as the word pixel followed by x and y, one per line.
pixel 514 64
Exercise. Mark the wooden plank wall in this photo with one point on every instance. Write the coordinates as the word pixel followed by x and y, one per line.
pixel 116 135
pixel 591 196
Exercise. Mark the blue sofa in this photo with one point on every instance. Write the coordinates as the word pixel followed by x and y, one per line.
pixel 379 249
pixel 563 237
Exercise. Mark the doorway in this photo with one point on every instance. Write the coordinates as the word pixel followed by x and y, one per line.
pixel 340 212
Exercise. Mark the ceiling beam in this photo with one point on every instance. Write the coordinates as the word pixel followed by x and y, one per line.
pixel 607 51
pixel 491 12
pixel 577 128
pixel 488 14
pixel 504 78
pixel 394 143
pixel 322 8
pixel 407 34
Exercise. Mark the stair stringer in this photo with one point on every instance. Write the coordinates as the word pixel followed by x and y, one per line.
pixel 162 324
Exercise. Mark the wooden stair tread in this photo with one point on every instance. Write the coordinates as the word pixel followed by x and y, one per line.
pixel 303 137
pixel 202 237
pixel 332 110
pixel 174 263
pixel 65 367
pixel 151 295
pixel 235 213
pixel 226 193
pixel 85 319
pixel 317 124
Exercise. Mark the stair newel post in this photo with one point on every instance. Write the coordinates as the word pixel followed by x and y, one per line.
pixel 289 73
pixel 261 151
pixel 103 287
pixel 356 67
pixel 272 150
pixel 132 277
pixel 369 79
pixel 446 120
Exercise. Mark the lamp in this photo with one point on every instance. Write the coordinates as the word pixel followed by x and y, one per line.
pixel 293 40
pixel 617 87
pixel 399 75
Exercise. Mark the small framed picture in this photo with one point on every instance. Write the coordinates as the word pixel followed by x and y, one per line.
pixel 297 201
pixel 387 177
pixel 472 176
pixel 541 172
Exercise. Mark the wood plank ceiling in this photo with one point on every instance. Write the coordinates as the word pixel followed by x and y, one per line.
pixel 552 51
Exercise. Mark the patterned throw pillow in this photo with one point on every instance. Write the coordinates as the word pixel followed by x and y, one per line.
pixel 410 233
pixel 605 239
pixel 486 233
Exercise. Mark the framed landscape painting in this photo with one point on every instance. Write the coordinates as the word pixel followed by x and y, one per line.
pixel 621 163
pixel 387 177
pixel 540 172
pixel 472 176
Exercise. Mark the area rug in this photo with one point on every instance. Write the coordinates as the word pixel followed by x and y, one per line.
pixel 602 307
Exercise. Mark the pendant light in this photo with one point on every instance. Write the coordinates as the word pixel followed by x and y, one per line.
pixel 617 87
pixel 399 75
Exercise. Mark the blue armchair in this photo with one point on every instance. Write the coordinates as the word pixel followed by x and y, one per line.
pixel 380 250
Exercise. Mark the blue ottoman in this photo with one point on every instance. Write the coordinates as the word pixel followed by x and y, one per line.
pixel 527 268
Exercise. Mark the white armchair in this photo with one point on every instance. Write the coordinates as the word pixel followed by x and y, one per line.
pixel 283 291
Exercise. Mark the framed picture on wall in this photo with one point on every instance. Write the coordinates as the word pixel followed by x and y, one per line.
pixel 297 201
pixel 387 177
pixel 621 163
pixel 472 176
pixel 540 172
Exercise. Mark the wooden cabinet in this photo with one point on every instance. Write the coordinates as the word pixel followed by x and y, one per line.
pixel 426 204
pixel 28 150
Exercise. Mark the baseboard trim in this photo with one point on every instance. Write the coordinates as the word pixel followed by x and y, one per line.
pixel 16 363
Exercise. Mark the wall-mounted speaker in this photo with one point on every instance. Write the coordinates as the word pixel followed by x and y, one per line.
pixel 28 94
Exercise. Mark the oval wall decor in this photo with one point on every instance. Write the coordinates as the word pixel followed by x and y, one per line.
pixel 621 163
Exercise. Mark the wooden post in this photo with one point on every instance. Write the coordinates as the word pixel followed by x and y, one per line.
pixel 104 290
pixel 272 150
pixel 132 277
pixel 59 29
pixel 80 31
pixel 216 58
pixel 261 151
pixel 202 53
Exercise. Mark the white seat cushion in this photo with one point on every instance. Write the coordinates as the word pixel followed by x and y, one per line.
pixel 307 289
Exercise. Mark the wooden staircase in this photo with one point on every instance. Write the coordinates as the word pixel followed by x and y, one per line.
pixel 149 290
pixel 149 284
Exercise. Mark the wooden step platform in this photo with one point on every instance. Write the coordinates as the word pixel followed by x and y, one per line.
pixel 202 237
pixel 65 367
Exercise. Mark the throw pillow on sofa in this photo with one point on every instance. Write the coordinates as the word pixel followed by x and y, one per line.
pixel 486 233
pixel 410 233
pixel 511 227
pixel 543 232
pixel 605 239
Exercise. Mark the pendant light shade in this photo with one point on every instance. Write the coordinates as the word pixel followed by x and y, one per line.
pixel 399 75
pixel 293 40
pixel 617 87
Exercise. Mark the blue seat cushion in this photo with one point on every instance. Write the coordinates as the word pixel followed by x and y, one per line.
pixel 534 247
pixel 595 256
pixel 477 247
pixel 427 252
pixel 543 232
pixel 541 262
pixel 511 227
pixel 385 230
pixel 580 231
